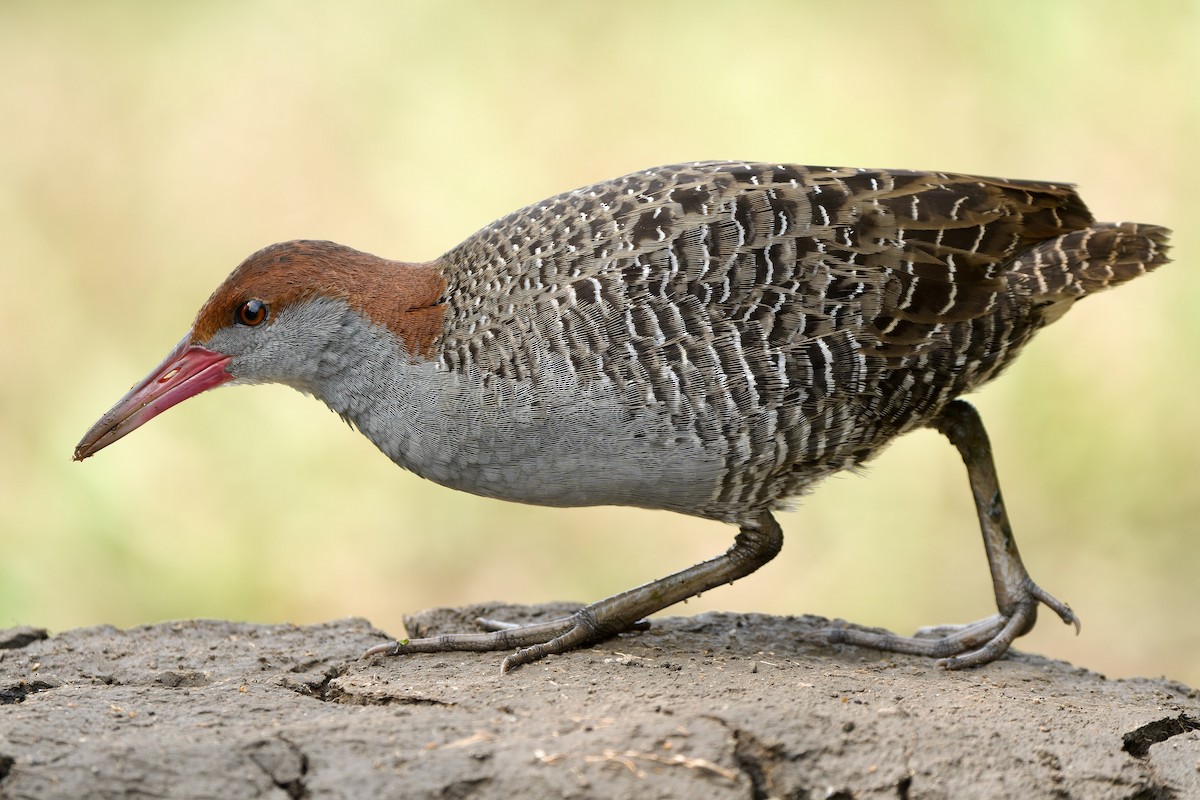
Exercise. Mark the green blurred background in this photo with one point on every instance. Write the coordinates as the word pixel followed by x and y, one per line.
pixel 146 148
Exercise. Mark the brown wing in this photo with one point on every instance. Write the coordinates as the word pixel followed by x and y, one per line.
pixel 884 259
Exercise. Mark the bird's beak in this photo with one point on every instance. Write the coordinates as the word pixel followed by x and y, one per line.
pixel 187 371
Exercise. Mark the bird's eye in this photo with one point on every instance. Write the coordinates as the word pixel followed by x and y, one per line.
pixel 251 313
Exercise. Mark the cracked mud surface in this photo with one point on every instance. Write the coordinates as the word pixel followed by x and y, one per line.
pixel 717 705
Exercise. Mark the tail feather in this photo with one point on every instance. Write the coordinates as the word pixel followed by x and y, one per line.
pixel 1081 262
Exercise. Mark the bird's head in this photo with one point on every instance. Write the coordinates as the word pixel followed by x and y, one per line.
pixel 273 320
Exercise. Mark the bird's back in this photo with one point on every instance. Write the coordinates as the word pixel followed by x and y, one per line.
pixel 786 322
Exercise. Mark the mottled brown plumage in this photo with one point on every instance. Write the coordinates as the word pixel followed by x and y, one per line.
pixel 802 317
pixel 708 338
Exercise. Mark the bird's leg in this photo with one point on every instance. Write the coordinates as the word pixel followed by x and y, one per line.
pixel 756 543
pixel 1017 596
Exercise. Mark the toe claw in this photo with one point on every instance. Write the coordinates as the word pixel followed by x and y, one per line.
pixel 386 649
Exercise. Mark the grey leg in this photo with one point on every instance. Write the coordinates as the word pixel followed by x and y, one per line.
pixel 1017 596
pixel 757 543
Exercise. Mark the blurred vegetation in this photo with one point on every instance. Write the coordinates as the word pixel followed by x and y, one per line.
pixel 147 147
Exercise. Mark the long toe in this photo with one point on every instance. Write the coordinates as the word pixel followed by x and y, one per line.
pixel 530 641
pixel 955 646
pixel 507 637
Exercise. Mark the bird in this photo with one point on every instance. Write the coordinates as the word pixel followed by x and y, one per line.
pixel 708 338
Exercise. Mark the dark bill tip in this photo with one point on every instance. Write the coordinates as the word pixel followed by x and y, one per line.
pixel 187 371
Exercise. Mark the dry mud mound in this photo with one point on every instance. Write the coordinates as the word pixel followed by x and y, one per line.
pixel 713 706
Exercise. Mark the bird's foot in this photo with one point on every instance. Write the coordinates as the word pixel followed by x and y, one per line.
pixel 960 646
pixel 757 542
pixel 532 641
